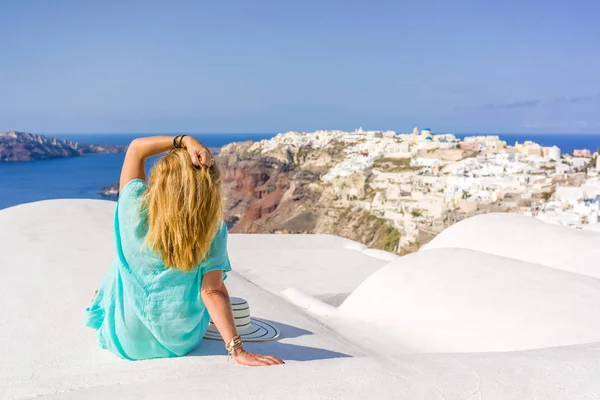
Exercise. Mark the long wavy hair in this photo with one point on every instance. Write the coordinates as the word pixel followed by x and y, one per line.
pixel 184 206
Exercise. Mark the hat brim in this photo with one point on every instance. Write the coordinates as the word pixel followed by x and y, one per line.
pixel 259 331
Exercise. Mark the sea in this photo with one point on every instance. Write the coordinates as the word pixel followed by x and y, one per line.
pixel 83 177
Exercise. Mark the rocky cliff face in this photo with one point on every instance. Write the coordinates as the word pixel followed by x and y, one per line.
pixel 19 146
pixel 280 191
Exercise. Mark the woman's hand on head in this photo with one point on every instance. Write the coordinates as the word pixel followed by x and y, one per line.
pixel 244 357
pixel 198 152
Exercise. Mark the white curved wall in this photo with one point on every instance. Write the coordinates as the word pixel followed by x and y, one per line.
pixel 381 254
pixel 54 253
pixel 527 239
pixel 592 227
pixel 456 300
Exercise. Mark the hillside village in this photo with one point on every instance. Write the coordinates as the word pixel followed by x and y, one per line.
pixel 416 184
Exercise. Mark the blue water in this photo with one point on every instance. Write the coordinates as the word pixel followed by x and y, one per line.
pixel 83 177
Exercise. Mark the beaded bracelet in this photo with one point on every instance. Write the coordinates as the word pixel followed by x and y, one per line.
pixel 234 346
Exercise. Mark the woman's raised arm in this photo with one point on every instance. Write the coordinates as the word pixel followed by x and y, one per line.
pixel 140 149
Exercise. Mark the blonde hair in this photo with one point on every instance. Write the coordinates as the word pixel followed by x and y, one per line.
pixel 184 208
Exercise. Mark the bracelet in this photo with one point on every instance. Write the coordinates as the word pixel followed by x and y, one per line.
pixel 175 141
pixel 234 346
pixel 181 140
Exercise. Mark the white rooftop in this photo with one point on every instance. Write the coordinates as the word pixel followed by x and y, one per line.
pixel 497 307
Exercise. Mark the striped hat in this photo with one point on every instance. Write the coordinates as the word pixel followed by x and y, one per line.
pixel 249 329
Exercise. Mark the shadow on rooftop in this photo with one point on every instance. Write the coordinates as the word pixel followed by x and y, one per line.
pixel 335 299
pixel 285 351
pixel 288 331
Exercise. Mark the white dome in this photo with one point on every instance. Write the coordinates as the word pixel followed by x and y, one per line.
pixel 525 238
pixel 456 300
pixel 592 227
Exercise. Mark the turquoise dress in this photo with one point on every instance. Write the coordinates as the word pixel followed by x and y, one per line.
pixel 143 309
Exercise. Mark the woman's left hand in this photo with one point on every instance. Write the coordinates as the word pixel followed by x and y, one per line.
pixel 198 152
pixel 244 357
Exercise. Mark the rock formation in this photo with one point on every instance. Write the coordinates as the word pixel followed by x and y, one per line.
pixel 20 146
pixel 110 191
pixel 280 191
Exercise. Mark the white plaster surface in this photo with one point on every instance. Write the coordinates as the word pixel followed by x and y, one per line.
pixel 54 262
pixel 324 266
pixel 525 238
pixel 54 254
pixel 457 300
pixel 507 376
pixel 592 227
pixel 382 255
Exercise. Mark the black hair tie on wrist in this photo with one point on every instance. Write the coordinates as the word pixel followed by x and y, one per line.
pixel 175 141
pixel 181 140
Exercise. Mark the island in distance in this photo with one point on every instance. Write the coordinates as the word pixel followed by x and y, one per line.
pixel 110 191
pixel 21 146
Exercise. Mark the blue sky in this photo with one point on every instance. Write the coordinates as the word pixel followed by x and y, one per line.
pixel 271 66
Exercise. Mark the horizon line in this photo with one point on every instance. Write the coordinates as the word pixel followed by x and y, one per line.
pixel 301 131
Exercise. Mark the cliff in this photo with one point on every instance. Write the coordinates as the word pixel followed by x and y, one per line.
pixel 20 146
pixel 280 191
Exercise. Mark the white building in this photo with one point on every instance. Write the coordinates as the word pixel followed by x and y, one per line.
pixel 554 153
pixel 569 194
pixel 425 162
pixel 445 137
pixel 580 162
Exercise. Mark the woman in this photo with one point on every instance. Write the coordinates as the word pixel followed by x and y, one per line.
pixel 171 259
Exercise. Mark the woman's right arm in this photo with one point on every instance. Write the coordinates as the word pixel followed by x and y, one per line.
pixel 216 298
pixel 134 165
